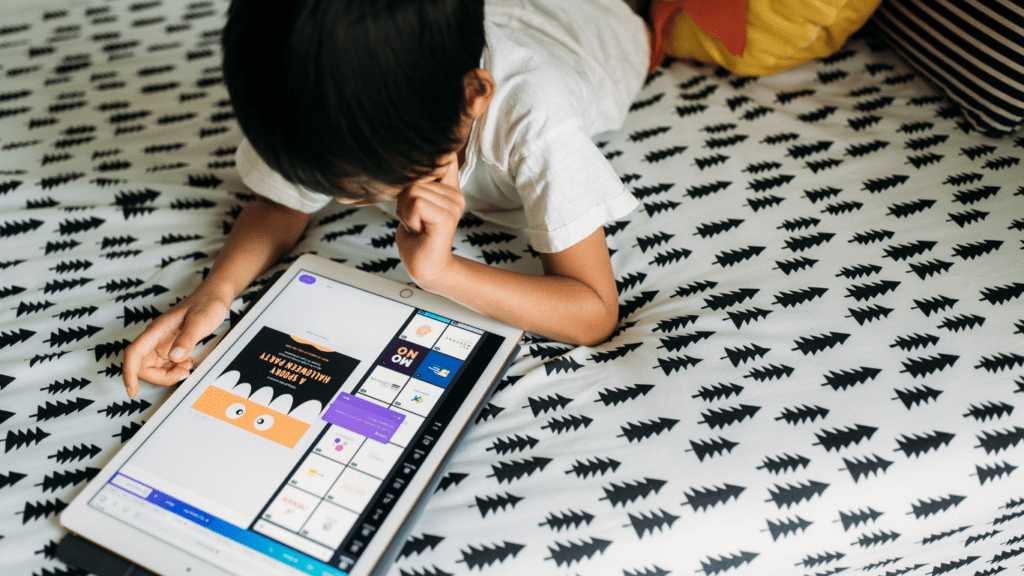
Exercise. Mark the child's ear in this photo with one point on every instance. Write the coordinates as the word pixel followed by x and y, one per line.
pixel 479 86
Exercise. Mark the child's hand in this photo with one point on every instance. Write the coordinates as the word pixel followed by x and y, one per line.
pixel 429 211
pixel 160 354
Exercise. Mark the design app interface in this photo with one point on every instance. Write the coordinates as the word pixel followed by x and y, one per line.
pixel 292 449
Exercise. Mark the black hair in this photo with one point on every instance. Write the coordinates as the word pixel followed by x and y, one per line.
pixel 332 89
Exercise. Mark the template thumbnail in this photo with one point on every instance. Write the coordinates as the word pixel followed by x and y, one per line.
pixel 276 386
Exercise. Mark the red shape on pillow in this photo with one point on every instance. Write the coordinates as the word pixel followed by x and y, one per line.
pixel 724 20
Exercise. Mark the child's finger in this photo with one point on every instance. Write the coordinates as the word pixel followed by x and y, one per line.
pixel 136 352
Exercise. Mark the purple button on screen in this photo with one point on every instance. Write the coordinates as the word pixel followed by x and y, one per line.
pixel 363 417
pixel 307 279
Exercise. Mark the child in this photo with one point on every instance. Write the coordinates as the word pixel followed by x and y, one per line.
pixel 430 108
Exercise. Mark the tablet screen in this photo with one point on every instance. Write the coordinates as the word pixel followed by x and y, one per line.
pixel 291 451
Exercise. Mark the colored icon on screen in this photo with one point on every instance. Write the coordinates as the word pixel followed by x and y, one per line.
pixel 307 279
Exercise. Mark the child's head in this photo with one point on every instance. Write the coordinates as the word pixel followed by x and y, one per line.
pixel 336 92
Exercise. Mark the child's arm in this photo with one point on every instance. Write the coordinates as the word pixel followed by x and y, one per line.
pixel 262 232
pixel 575 301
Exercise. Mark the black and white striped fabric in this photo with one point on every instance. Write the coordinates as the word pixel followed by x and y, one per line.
pixel 972 50
pixel 819 364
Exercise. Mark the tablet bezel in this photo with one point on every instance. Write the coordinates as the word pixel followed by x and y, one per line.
pixel 146 550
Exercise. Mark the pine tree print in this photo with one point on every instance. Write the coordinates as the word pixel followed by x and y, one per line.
pixel 822 558
pixel 810 345
pixel 672 256
pixel 494 503
pixel 671 364
pixel 718 392
pixel 818 194
pixel 847 378
pixel 988 472
pixel 63 337
pixel 11 478
pixel 989 410
pixel 729 299
pixel 920 367
pixel 76 453
pixel 711 447
pixel 991 442
pixel 801 151
pixel 659 155
pixel 571 518
pixel 567 423
pixel 797 297
pixel 839 438
pixel 743 317
pixel 679 341
pixel 514 443
pixel 916 445
pixel 930 306
pixel 616 396
pixel 58 480
pixel 139 315
pixel 654 571
pixel 797 264
pixel 861 292
pixel 614 354
pixel 789 495
pixel 33 511
pixel 67 385
pixel 876 538
pixel 128 431
pixel 1003 294
pixel 12 338
pixel 801 243
pixel 516 469
pixel 654 520
pixel 702 499
pixel 872 236
pixel 16 227
pixel 912 397
pixel 763 202
pixel 900 252
pixel 732 257
pixel 543 404
pixel 942 535
pixel 1000 362
pixel 702 190
pixel 486 555
pixel 925 508
pixel 970 251
pixel 962 322
pixel 781 528
pixel 770 372
pixel 126 408
pixel 856 518
pixel 627 492
pixel 802 414
pixel 784 463
pixel 419 544
pixel 593 467
pixel 637 431
pixel 52 410
pixel 869 313
pixel 714 228
pixel 450 479
pixel 568 553
pixel 929 268
pixel 714 565
pixel 873 464
pixel 728 416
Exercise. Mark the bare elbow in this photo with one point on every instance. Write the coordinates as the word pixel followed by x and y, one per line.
pixel 599 329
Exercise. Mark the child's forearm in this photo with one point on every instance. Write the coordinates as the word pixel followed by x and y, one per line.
pixel 554 306
pixel 262 232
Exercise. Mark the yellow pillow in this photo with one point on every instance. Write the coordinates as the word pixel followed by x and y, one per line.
pixel 780 34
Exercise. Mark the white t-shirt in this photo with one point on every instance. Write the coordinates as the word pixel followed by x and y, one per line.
pixel 564 72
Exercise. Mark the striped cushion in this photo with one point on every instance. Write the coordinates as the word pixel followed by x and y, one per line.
pixel 972 50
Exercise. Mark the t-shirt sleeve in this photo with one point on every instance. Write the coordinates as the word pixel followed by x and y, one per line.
pixel 568 188
pixel 269 184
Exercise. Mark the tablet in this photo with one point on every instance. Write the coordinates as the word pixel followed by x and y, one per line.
pixel 301 444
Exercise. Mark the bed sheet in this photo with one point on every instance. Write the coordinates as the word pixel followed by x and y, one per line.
pixel 819 365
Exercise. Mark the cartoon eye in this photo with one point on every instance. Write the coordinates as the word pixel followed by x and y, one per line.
pixel 263 423
pixel 235 411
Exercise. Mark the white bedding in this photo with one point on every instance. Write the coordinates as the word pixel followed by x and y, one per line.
pixel 819 366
